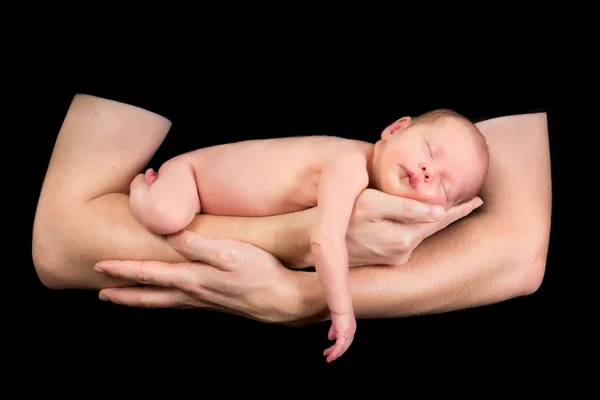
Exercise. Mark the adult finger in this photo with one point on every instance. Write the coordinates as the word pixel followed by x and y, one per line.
pixel 145 297
pixel 157 297
pixel 458 212
pixel 454 214
pixel 216 252
pixel 154 273
pixel 405 210
pixel 153 297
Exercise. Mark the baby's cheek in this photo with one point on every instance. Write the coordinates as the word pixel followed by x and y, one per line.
pixel 428 194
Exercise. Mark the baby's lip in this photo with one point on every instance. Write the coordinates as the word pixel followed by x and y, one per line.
pixel 413 181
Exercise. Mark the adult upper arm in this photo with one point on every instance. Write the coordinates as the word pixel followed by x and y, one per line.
pixel 517 193
pixel 101 146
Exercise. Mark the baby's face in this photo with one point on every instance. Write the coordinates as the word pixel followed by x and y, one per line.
pixel 433 163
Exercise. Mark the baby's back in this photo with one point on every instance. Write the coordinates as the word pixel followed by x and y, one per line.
pixel 264 177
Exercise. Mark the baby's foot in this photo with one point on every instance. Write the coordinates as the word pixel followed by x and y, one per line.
pixel 151 176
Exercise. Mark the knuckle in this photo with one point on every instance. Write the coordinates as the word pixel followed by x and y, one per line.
pixel 413 209
pixel 403 259
pixel 184 240
pixel 193 284
pixel 196 291
pixel 404 242
pixel 143 277
pixel 227 255
pixel 364 205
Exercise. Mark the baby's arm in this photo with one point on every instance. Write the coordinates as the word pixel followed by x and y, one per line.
pixel 340 184
pixel 166 202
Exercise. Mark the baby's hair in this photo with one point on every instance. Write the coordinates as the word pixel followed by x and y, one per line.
pixel 443 114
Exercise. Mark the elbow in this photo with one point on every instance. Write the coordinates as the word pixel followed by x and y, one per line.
pixel 48 255
pixel 46 268
pixel 48 273
pixel 530 266
pixel 533 271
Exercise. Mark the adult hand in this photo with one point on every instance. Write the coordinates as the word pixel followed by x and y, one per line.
pixel 229 276
pixel 385 229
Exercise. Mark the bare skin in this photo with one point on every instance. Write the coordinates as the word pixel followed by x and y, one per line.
pixel 83 217
pixel 436 163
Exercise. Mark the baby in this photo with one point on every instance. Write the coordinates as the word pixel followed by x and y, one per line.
pixel 439 157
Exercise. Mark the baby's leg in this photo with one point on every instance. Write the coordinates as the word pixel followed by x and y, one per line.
pixel 166 202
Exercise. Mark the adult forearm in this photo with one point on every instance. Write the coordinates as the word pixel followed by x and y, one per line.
pixel 466 265
pixel 495 254
pixel 70 239
pixel 286 236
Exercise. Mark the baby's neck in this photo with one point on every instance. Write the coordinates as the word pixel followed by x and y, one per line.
pixel 372 160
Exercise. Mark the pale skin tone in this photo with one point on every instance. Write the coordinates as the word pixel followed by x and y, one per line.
pixel 83 217
pixel 432 162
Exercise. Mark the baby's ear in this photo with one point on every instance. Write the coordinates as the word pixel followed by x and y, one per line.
pixel 396 127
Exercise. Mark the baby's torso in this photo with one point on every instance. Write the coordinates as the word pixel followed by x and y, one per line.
pixel 265 177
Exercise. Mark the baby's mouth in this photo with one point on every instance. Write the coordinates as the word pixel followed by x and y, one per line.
pixel 413 181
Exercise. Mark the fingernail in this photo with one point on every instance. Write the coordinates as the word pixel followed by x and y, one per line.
pixel 102 297
pixel 99 270
pixel 435 212
pixel 478 202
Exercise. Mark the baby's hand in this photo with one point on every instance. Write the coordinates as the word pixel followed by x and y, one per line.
pixel 343 327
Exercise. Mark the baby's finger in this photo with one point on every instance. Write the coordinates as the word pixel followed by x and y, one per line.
pixel 338 350
pixel 328 351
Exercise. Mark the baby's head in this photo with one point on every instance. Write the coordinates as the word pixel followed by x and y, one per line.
pixel 439 157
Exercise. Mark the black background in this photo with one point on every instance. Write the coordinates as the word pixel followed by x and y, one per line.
pixel 220 102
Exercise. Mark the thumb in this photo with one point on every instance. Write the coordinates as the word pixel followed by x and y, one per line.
pixel 215 252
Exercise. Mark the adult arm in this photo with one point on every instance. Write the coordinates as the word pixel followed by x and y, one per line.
pixel 497 253
pixel 83 213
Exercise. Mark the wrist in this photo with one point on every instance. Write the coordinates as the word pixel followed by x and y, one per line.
pixel 298 228
pixel 310 304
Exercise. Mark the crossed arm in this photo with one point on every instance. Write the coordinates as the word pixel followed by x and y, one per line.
pixel 498 253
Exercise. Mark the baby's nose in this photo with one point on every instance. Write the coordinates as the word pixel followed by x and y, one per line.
pixel 427 173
